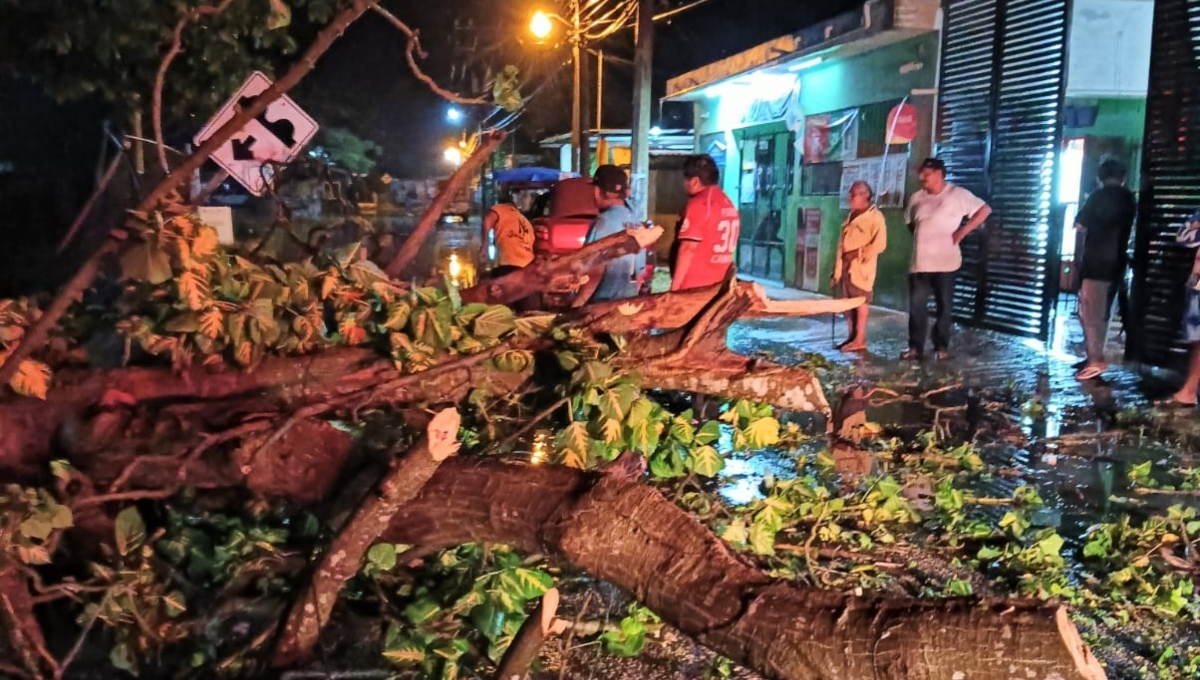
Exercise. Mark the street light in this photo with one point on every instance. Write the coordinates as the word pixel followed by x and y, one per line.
pixel 541 26
pixel 453 155
pixel 453 115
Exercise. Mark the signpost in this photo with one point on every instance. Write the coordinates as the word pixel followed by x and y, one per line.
pixel 276 136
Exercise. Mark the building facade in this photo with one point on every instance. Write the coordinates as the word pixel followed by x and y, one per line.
pixel 793 122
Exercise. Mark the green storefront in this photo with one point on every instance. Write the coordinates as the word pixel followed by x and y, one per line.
pixel 791 133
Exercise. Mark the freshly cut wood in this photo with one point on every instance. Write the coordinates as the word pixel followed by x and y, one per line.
pixel 343 558
pixel 538 275
pixel 629 535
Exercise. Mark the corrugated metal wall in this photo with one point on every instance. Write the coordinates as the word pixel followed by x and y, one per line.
pixel 1170 185
pixel 1003 83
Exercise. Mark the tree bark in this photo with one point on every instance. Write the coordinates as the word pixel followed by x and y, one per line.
pixel 343 558
pixel 527 643
pixel 629 535
pixel 543 271
pixel 464 173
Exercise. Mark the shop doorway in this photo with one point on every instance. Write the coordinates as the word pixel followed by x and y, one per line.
pixel 766 161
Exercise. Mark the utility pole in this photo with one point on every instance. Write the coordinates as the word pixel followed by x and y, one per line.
pixel 642 61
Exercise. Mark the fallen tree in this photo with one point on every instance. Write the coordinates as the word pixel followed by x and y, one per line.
pixel 628 534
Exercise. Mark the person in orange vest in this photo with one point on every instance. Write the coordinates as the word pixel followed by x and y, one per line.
pixel 514 237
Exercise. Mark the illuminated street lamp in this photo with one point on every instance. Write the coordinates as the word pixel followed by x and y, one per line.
pixel 541 26
pixel 453 115
pixel 453 155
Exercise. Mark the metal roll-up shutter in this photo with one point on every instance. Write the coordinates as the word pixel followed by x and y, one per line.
pixel 1031 87
pixel 966 91
pixel 1170 185
pixel 1003 82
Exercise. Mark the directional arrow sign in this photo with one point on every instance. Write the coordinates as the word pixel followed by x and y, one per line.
pixel 276 136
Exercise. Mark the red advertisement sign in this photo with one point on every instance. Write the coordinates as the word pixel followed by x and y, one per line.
pixel 902 124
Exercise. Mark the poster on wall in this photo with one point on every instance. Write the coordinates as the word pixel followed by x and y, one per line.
pixel 886 175
pixel 831 137
pixel 809 270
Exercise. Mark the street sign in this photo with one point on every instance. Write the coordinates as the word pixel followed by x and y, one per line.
pixel 276 135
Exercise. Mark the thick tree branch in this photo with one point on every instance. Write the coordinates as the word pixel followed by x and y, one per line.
pixel 461 177
pixel 527 643
pixel 342 560
pixel 542 271
pixel 36 335
pixel 629 535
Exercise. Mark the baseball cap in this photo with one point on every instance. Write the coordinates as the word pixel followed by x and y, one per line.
pixel 611 179
pixel 933 164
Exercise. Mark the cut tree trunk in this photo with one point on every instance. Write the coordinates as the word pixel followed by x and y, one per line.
pixel 629 535
pixel 343 558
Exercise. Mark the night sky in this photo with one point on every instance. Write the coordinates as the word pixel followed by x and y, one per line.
pixel 366 78
pixel 49 151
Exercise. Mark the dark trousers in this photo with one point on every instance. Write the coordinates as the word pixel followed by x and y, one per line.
pixel 941 284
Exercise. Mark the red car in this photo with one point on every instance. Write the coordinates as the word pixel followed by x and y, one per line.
pixel 561 219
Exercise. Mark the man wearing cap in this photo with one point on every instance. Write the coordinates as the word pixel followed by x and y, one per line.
pixel 940 216
pixel 618 278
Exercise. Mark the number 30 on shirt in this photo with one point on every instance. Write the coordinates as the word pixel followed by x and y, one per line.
pixel 727 234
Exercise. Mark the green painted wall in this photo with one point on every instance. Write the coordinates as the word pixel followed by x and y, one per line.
pixel 1124 118
pixel 861 80
pixel 888 73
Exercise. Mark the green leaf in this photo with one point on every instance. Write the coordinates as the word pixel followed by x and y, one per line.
pixel 397 315
pixel 762 538
pixel 382 556
pixel 535 326
pixel 130 531
pixel 762 432
pixel 60 517
pixel 421 611
pixel 707 462
pixel 280 16
pixel 988 553
pixel 709 433
pixel 147 262
pixel 175 603
pixel 494 323
pixel 61 469
pixel 36 527
pixel 573 444
pixel 121 658
pixel 736 532
pixel 405 652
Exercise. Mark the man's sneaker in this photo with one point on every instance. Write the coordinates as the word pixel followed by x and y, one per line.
pixel 910 354
pixel 1090 372
pixel 942 355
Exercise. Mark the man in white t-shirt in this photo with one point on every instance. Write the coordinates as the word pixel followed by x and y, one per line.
pixel 940 216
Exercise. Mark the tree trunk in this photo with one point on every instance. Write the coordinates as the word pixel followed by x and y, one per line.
pixel 629 535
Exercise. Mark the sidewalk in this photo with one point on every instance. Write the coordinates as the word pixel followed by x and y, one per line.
pixel 980 359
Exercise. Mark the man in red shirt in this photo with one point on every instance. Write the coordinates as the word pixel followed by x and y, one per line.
pixel 708 234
